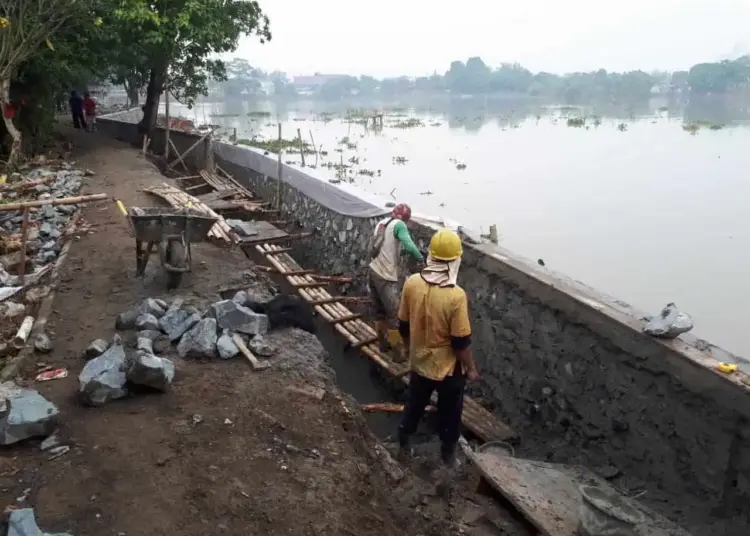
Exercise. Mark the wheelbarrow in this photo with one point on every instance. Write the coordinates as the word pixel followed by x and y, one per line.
pixel 172 230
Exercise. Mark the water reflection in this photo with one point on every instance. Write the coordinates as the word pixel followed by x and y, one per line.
pixel 629 202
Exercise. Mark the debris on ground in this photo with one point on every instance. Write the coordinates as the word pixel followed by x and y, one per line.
pixel 25 414
pixel 670 323
pixel 22 522
pixel 103 378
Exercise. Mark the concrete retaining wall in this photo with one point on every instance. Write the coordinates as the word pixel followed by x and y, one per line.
pixel 570 369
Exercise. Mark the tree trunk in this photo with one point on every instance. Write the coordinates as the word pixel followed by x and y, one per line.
pixel 15 145
pixel 153 94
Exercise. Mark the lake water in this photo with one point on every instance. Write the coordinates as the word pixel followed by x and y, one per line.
pixel 635 206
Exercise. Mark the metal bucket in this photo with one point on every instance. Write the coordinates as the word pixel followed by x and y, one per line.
pixel 607 513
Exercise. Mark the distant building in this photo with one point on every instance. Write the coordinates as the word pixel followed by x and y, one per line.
pixel 308 85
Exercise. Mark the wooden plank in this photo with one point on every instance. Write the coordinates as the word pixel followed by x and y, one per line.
pixel 548 494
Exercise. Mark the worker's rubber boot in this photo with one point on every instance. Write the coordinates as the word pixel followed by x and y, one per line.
pixel 405 450
pixel 448 456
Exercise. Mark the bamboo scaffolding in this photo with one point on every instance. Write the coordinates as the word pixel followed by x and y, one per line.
pixel 359 334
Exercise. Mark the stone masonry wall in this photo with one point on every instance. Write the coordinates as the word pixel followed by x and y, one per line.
pixel 572 372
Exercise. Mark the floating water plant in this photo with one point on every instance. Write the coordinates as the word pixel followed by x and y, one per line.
pixel 691 128
pixel 224 115
pixel 622 127
pixel 346 142
pixel 576 121
pixel 412 122
pixel 400 160
pixel 278 145
pixel 460 166
pixel 258 114
pixel 368 172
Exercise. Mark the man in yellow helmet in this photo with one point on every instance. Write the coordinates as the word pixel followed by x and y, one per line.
pixel 434 323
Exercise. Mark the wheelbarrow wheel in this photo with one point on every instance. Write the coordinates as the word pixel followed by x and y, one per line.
pixel 175 257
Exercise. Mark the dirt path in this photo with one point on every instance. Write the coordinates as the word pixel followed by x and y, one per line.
pixel 262 459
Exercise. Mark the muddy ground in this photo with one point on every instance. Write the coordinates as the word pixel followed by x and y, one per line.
pixel 227 450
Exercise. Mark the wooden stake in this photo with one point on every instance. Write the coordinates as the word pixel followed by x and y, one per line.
pixel 22 256
pixel 301 146
pixel 52 202
pixel 315 148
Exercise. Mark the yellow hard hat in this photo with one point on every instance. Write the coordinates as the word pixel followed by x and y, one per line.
pixel 445 245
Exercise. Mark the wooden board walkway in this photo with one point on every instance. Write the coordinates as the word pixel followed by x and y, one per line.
pixel 364 337
pixel 177 198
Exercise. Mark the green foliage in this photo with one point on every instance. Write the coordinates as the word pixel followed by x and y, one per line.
pixel 720 77
pixel 178 39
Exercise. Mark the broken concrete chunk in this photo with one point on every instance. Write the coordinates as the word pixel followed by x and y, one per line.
pixel 50 443
pixel 669 323
pixel 240 298
pixel 145 345
pixel 96 348
pixel 103 378
pixel 147 321
pixel 11 309
pixel 23 523
pixel 126 320
pixel 200 341
pixel 229 315
pixel 225 345
pixel 260 347
pixel 187 323
pixel 161 303
pixel 26 414
pixel 42 343
pixel 149 334
pixel 152 307
pixel 151 371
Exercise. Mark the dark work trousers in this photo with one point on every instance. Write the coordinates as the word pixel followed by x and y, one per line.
pixel 449 407
pixel 78 120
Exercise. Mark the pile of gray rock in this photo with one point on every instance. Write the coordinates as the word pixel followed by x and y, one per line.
pixel 163 328
pixel 48 223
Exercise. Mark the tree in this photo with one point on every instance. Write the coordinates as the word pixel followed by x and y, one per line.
pixel 179 39
pixel 25 26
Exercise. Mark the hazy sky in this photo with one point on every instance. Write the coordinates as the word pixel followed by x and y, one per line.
pixel 416 37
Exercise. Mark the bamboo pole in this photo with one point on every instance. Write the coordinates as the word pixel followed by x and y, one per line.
pixel 278 172
pixel 22 335
pixel 23 185
pixel 22 256
pixel 315 148
pixel 193 146
pixel 52 202
pixel 179 158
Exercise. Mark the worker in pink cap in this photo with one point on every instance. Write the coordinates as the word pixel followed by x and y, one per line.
pixel 391 236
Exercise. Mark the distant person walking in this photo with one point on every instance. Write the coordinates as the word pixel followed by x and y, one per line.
pixel 89 109
pixel 391 235
pixel 76 110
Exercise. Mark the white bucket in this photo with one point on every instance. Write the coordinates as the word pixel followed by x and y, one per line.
pixel 606 513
